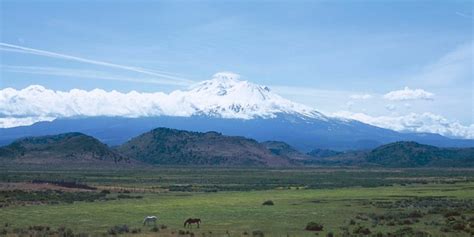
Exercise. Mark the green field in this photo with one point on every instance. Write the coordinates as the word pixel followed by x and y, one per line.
pixel 229 207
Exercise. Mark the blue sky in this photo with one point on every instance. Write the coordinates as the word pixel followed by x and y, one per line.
pixel 315 52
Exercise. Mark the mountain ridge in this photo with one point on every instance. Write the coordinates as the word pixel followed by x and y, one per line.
pixel 164 146
pixel 72 147
pixel 303 134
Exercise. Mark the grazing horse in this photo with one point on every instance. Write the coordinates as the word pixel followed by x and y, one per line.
pixel 149 219
pixel 190 221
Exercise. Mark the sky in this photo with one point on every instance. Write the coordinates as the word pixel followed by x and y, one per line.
pixel 381 59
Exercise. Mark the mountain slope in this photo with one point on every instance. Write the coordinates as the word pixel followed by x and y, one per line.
pixel 175 147
pixel 224 104
pixel 412 154
pixel 402 154
pixel 225 96
pixel 323 153
pixel 62 148
pixel 302 134
pixel 284 150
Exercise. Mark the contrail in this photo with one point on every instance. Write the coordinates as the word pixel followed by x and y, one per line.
pixel 463 15
pixel 21 49
pixel 65 72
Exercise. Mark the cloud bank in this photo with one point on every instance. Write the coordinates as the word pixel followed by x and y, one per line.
pixel 409 94
pixel 360 96
pixel 224 95
pixel 414 122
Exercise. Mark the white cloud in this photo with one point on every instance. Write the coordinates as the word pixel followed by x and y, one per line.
pixel 390 107
pixel 414 122
pixel 349 104
pixel 37 101
pixel 360 96
pixel 463 14
pixel 223 96
pixel 10 122
pixel 409 94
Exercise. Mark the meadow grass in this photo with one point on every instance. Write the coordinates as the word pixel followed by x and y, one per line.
pixel 237 212
pixel 230 199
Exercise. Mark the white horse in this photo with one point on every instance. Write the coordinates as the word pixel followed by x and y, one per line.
pixel 149 219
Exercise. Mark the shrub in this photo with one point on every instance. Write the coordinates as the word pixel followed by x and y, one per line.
pixel 136 230
pixel 162 226
pixel 155 229
pixel 268 203
pixel 452 213
pixel 407 222
pixel 68 233
pixel 360 230
pixel 125 196
pixel 445 229
pixel 257 233
pixel 313 226
pixel 415 214
pixel 451 218
pixel 458 226
pixel 330 234
pixel 105 191
pixel 118 229
pixel 408 231
pixel 361 217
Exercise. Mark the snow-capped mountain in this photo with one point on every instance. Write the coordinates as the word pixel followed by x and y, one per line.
pixel 224 103
pixel 224 96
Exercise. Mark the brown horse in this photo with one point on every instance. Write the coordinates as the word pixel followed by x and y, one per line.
pixel 190 221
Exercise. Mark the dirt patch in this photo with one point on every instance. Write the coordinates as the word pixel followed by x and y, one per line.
pixel 27 186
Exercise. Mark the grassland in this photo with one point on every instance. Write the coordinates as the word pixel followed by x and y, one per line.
pixel 229 201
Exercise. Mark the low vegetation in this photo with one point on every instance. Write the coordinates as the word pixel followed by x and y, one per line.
pixel 268 203
pixel 22 198
pixel 171 147
pixel 326 202
pixel 313 226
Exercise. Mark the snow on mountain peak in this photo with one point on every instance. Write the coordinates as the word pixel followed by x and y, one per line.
pixel 227 96
pixel 224 96
pixel 227 83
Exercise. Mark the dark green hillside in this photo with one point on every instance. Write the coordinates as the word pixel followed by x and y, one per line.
pixel 283 149
pixel 176 147
pixel 322 153
pixel 412 154
pixel 76 147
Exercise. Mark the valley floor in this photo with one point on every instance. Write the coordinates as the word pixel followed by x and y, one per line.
pixel 400 202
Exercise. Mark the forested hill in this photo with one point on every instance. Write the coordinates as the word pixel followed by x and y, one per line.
pixel 61 148
pixel 177 147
